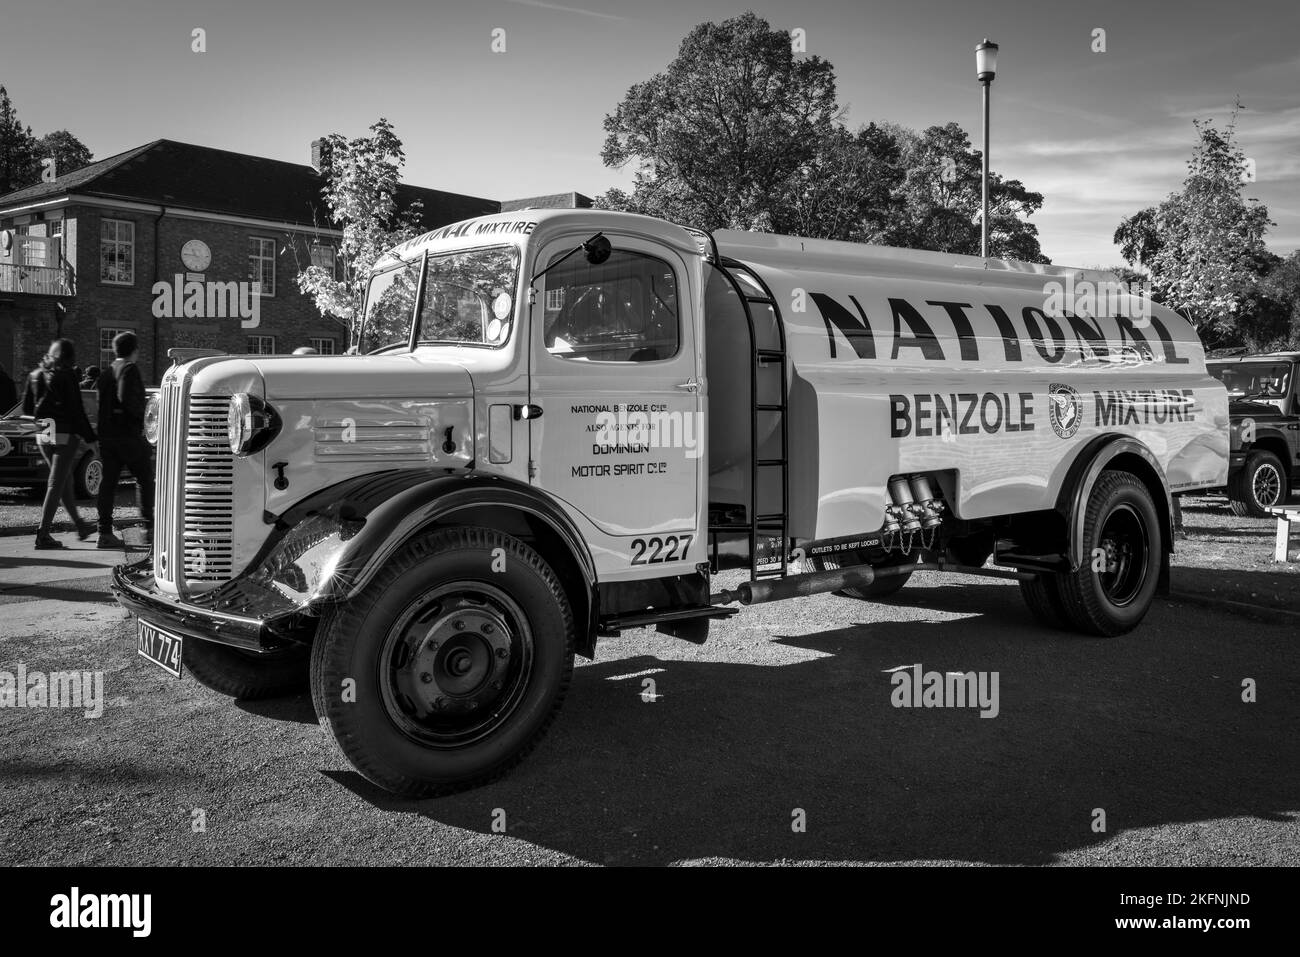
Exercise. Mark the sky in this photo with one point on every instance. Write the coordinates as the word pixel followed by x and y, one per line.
pixel 1101 134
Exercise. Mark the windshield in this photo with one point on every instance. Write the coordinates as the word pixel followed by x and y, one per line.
pixel 468 298
pixel 1269 380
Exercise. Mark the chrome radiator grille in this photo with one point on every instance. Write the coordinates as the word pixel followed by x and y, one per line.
pixel 194 533
pixel 209 512
pixel 167 496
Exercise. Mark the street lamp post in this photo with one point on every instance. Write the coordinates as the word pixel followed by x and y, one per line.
pixel 986 66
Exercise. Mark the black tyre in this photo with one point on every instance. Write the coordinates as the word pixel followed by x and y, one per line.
pixel 89 475
pixel 247 675
pixel 880 588
pixel 1043 596
pixel 451 664
pixel 1261 484
pixel 1123 538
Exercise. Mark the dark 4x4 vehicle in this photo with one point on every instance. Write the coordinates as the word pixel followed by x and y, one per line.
pixel 20 460
pixel 1264 405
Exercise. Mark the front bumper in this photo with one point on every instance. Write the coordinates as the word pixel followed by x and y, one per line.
pixel 134 588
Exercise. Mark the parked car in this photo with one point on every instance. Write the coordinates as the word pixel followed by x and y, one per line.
pixel 1264 407
pixel 21 464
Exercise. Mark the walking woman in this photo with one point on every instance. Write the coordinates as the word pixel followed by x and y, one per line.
pixel 52 393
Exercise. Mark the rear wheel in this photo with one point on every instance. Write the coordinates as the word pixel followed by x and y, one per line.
pixel 449 666
pixel 1043 596
pixel 1260 485
pixel 1112 589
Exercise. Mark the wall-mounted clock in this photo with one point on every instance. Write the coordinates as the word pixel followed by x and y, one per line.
pixel 196 255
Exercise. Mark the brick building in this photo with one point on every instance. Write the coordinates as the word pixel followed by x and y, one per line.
pixel 80 256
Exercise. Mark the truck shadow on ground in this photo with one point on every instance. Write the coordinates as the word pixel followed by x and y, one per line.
pixel 1150 727
pixel 13 594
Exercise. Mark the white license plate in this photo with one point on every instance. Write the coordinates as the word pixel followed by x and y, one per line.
pixel 161 647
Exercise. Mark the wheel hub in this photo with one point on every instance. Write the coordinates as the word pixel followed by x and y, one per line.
pixel 459 663
pixel 1123 542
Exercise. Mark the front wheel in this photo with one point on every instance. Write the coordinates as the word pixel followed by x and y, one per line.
pixel 449 666
pixel 1259 486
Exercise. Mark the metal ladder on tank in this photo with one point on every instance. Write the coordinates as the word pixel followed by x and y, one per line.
pixel 765 471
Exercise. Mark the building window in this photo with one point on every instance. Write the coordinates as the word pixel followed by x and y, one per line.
pixel 555 299
pixel 56 227
pixel 116 252
pixel 106 353
pixel 261 265
pixel 261 345
pixel 324 346
pixel 324 256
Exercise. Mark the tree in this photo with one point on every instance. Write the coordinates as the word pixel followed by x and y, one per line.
pixel 361 179
pixel 942 198
pixel 68 152
pixel 1138 237
pixel 719 135
pixel 1270 315
pixel 846 190
pixel 17 148
pixel 737 132
pixel 1204 246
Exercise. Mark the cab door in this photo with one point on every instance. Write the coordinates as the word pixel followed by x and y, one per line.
pixel 616 376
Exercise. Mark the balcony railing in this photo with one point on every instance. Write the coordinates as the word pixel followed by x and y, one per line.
pixel 36 280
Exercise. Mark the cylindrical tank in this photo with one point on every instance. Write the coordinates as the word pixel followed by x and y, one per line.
pixel 995 374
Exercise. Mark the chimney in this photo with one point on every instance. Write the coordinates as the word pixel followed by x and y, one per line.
pixel 319 154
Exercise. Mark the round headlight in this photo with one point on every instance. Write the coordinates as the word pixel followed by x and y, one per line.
pixel 250 424
pixel 239 422
pixel 152 418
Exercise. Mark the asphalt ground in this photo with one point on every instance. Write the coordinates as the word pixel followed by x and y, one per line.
pixel 785 714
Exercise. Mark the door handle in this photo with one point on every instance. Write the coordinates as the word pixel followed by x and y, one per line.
pixel 691 385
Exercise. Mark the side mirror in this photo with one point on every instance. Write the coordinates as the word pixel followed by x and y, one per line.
pixel 597 249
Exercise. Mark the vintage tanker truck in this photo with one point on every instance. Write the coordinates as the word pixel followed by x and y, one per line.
pixel 587 411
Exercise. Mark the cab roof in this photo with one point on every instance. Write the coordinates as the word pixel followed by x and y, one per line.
pixel 754 248
pixel 519 224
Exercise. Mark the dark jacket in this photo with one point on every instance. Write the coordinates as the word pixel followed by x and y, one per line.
pixel 53 394
pixel 121 401
pixel 8 392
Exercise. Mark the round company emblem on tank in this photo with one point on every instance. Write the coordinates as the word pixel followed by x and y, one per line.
pixel 1065 410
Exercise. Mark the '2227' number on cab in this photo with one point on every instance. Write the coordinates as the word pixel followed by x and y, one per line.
pixel 655 551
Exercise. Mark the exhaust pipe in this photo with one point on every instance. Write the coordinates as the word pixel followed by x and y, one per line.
pixel 857 576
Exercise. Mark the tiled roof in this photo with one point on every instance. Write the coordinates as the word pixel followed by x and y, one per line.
pixel 551 201
pixel 202 178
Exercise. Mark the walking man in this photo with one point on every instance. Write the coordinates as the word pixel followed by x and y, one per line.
pixel 52 398
pixel 121 437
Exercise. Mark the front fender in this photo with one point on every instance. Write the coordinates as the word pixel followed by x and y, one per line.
pixel 330 546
